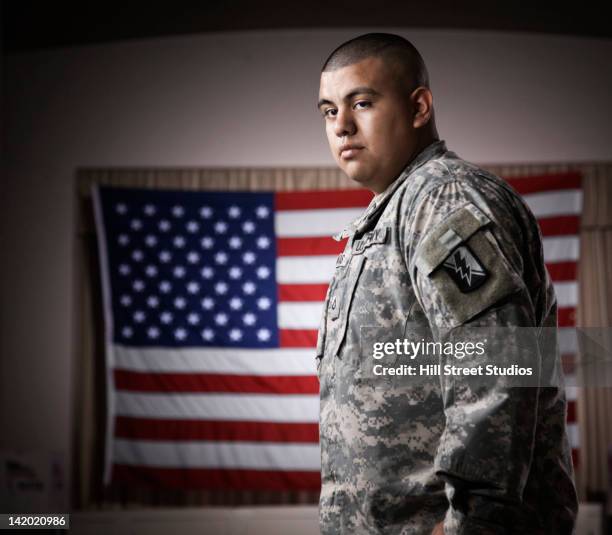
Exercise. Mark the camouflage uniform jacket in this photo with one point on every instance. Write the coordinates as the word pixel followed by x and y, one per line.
pixel 396 457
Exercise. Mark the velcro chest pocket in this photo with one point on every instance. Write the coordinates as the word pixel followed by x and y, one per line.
pixel 348 268
pixel 465 265
pixel 337 285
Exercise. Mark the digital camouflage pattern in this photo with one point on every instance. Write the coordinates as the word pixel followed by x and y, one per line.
pixel 399 456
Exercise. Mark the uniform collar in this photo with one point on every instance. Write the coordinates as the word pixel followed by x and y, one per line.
pixel 432 150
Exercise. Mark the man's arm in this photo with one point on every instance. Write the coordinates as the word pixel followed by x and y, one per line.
pixel 464 281
pixel 485 451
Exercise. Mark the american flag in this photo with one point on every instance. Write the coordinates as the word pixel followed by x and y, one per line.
pixel 212 304
pixel 556 201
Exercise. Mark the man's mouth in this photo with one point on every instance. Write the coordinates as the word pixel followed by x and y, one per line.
pixel 349 151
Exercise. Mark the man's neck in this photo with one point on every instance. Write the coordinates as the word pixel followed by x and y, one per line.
pixel 418 150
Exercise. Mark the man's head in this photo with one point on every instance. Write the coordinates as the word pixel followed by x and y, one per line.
pixel 374 96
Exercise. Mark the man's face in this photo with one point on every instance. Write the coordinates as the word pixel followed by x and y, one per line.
pixel 365 106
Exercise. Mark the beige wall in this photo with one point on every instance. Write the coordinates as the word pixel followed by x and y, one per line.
pixel 236 99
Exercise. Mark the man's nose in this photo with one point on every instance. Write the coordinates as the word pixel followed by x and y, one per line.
pixel 344 124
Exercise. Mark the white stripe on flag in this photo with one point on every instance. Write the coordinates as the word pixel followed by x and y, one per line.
pixel 227 454
pixel 561 249
pixel 300 315
pixel 311 223
pixel 274 361
pixel 305 269
pixel 328 221
pixel 552 203
pixel 571 393
pixel 567 293
pixel 252 407
pixel 570 380
pixel 567 340
pixel 319 269
pixel 573 435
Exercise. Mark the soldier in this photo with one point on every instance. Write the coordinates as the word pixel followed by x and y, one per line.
pixel 443 245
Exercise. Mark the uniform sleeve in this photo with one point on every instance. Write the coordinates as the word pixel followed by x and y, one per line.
pixel 468 283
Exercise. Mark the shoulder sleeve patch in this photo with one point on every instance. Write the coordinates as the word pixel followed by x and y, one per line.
pixel 465 269
pixel 462 267
pixel 440 242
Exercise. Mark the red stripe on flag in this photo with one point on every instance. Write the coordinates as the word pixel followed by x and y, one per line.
pixel 302 292
pixel 568 363
pixel 214 382
pixel 560 225
pixel 571 412
pixel 217 478
pixel 311 200
pixel 298 337
pixel 562 271
pixel 545 183
pixel 230 430
pixel 309 246
pixel 566 316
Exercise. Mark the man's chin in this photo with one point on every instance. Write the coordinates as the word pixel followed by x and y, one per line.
pixel 364 182
pixel 367 178
pixel 358 175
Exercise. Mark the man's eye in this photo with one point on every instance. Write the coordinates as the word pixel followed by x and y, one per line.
pixel 363 103
pixel 326 112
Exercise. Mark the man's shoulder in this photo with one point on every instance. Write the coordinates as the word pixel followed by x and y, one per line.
pixel 450 168
pixel 456 181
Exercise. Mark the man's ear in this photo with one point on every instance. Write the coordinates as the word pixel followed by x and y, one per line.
pixel 422 104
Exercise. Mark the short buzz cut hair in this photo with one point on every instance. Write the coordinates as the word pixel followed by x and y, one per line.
pixel 391 48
